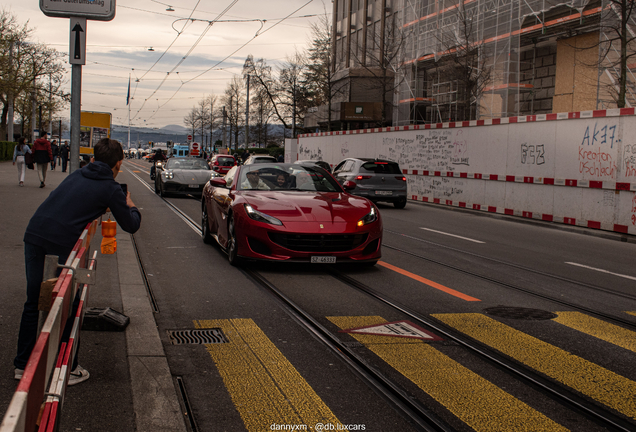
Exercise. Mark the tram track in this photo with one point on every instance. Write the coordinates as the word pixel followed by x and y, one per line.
pixel 418 414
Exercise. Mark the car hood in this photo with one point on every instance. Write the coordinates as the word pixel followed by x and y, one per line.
pixel 333 207
pixel 190 176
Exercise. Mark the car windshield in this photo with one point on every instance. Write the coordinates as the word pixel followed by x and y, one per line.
pixel 225 161
pixel 187 164
pixel 381 167
pixel 291 177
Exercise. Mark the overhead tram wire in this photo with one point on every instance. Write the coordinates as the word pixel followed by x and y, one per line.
pixel 258 33
pixel 210 23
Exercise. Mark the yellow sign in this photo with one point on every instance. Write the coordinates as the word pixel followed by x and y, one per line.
pixel 93 127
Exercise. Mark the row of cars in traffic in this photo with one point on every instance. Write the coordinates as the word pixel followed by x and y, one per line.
pixel 299 212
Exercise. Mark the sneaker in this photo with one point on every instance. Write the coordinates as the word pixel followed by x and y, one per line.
pixel 21 183
pixel 18 374
pixel 78 375
pixel 41 184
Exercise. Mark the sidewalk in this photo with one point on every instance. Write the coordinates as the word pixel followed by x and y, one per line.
pixel 130 388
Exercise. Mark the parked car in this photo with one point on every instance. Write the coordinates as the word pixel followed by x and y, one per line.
pixel 289 212
pixel 256 159
pixel 182 176
pixel 376 179
pixel 322 164
pixel 221 163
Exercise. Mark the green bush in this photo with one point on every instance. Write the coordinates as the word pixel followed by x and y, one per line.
pixel 6 150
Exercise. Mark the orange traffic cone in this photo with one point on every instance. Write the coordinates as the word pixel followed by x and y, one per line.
pixel 109 242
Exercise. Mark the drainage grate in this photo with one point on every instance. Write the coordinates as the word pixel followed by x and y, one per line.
pixel 519 313
pixel 204 336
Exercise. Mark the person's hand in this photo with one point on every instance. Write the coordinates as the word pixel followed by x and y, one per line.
pixel 129 202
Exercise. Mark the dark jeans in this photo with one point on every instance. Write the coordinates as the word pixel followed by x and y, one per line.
pixel 34 262
pixel 64 162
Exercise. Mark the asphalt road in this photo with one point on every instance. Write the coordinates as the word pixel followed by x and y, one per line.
pixel 449 267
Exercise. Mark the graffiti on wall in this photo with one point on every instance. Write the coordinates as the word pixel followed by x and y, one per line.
pixel 308 153
pixel 434 150
pixel 629 160
pixel 595 159
pixel 532 155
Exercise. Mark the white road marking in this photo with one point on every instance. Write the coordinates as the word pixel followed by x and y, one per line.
pixel 602 271
pixel 452 235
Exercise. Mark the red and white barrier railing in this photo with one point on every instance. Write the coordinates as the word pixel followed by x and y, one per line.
pixel 28 408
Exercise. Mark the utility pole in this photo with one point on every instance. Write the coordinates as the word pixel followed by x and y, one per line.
pixel 247 114
pixel 10 97
pixel 51 106
pixel 224 128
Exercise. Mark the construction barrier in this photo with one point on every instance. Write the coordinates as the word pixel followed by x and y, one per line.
pixel 32 408
pixel 572 168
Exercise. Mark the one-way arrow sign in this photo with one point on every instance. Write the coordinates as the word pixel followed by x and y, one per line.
pixel 77 51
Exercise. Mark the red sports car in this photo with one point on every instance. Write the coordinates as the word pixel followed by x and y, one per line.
pixel 289 212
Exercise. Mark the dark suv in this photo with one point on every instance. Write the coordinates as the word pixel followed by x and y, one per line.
pixel 222 163
pixel 375 179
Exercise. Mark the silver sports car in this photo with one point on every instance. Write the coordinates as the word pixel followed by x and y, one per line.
pixel 183 176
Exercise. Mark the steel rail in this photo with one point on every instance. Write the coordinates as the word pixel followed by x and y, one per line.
pixel 575 402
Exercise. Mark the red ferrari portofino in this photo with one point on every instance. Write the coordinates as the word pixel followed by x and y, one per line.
pixel 289 212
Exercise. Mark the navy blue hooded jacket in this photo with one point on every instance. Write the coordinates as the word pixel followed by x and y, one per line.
pixel 81 198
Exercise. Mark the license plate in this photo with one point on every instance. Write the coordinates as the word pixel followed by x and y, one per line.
pixel 193 186
pixel 323 260
pixel 384 192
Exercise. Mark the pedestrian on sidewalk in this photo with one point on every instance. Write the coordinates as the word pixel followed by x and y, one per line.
pixel 42 155
pixel 19 152
pixel 82 197
pixel 64 151
pixel 55 153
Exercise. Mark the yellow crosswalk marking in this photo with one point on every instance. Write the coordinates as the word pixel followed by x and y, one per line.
pixel 631 313
pixel 584 376
pixel 264 386
pixel 473 399
pixel 600 329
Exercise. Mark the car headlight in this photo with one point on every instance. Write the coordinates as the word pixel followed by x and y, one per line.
pixel 261 217
pixel 169 175
pixel 371 217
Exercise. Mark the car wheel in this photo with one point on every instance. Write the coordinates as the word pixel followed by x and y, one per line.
pixel 400 204
pixel 232 247
pixel 205 227
pixel 156 187
pixel 161 192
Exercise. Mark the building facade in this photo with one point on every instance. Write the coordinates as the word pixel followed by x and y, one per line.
pixel 431 61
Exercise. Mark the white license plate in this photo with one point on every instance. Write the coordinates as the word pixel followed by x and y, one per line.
pixel 384 192
pixel 323 260
pixel 193 186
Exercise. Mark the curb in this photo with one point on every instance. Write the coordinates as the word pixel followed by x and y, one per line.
pixel 155 401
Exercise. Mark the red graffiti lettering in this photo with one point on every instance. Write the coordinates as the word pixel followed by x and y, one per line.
pixel 630 170
pixel 596 163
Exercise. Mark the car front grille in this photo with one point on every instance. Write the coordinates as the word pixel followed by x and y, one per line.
pixel 318 242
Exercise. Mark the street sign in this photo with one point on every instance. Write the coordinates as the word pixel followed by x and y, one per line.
pixel 189 138
pixel 194 151
pixel 77 51
pixel 101 10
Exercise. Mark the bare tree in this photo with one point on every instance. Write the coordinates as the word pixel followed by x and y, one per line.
pixel 22 65
pixel 317 77
pixel 233 101
pixel 191 120
pixel 463 63
pixel 618 46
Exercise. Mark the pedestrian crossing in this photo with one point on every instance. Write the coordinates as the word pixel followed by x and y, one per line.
pixel 266 388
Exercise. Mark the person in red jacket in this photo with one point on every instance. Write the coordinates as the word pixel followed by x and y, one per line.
pixel 42 155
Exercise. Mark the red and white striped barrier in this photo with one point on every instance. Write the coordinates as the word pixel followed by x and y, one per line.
pixel 27 402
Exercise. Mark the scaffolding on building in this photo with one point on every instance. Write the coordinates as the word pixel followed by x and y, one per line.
pixel 510 35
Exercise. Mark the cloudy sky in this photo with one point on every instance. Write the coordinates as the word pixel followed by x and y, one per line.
pixel 173 61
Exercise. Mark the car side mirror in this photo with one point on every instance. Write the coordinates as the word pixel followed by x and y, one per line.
pixel 349 185
pixel 218 182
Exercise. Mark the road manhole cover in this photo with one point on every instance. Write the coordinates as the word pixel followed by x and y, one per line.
pixel 519 313
pixel 203 336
